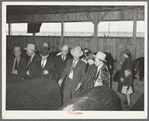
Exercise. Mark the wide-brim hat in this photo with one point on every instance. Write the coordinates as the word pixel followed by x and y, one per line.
pixel 30 47
pixel 44 51
pixel 77 51
pixel 127 51
pixel 101 56
pixel 65 48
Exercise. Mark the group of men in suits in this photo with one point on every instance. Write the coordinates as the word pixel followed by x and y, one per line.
pixel 68 72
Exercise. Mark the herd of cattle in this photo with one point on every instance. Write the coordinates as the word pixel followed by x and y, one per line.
pixel 43 94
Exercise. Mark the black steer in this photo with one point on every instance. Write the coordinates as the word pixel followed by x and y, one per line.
pixel 116 77
pixel 33 94
pixel 139 68
pixel 139 105
pixel 97 98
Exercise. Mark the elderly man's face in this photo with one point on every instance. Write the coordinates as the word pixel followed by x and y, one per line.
pixel 97 62
pixel 17 51
pixel 17 54
pixel 64 52
pixel 30 52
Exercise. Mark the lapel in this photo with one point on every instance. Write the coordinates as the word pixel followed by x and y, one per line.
pixel 77 65
pixel 20 61
pixel 12 62
pixel 46 65
pixel 33 59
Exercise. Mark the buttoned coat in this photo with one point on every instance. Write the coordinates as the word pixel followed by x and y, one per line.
pixel 21 68
pixel 127 64
pixel 49 66
pixel 32 67
pixel 71 84
pixel 60 64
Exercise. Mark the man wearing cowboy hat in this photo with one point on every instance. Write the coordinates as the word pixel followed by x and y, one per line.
pixel 61 59
pixel 74 73
pixel 16 66
pixel 33 59
pixel 46 67
pixel 103 74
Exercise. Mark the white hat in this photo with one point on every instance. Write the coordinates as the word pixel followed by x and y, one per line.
pixel 65 47
pixel 100 56
pixel 77 51
pixel 30 47
pixel 45 44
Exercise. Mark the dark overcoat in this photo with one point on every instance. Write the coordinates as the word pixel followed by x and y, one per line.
pixel 32 67
pixel 60 64
pixel 21 68
pixel 127 64
pixel 49 66
pixel 71 84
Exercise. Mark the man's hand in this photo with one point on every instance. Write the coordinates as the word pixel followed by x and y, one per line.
pixel 45 72
pixel 122 79
pixel 78 86
pixel 27 73
pixel 60 82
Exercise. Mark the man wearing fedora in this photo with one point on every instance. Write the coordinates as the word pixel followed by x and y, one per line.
pixel 46 67
pixel 32 62
pixel 74 73
pixel 16 66
pixel 102 74
pixel 61 59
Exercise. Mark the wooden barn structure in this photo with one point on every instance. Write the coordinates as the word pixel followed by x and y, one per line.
pixel 63 13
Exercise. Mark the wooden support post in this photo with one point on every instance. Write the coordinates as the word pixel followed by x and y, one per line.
pixel 62 29
pixel 97 17
pixel 9 27
pixel 95 32
pixel 134 24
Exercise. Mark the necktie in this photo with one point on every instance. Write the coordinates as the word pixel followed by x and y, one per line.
pixel 73 64
pixel 42 65
pixel 16 64
pixel 29 63
pixel 63 58
pixel 98 74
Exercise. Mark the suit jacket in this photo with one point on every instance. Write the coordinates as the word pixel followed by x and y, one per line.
pixel 32 67
pixel 60 64
pixel 21 68
pixel 49 66
pixel 78 74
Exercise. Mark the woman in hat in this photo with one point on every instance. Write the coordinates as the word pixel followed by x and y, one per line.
pixel 127 64
pixel 45 67
pixel 90 73
pixel 74 73
pixel 102 74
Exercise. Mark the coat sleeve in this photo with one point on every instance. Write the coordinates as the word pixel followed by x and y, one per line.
pixel 83 68
pixel 23 70
pixel 53 69
pixel 65 72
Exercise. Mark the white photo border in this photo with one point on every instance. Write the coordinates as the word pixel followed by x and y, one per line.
pixel 63 114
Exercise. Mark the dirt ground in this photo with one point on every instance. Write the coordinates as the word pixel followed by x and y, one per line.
pixel 139 89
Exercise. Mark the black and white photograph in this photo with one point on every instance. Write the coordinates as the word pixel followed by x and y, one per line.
pixel 74 60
